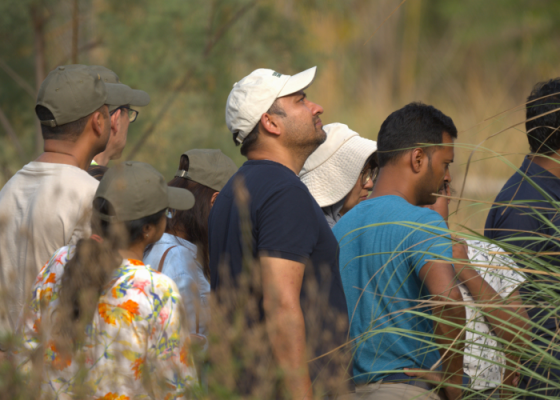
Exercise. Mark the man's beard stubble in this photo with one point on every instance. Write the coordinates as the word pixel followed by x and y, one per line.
pixel 303 139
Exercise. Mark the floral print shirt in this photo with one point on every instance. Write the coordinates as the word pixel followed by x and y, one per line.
pixel 483 357
pixel 135 347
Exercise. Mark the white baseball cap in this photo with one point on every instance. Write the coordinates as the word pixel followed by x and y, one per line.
pixel 253 95
pixel 332 170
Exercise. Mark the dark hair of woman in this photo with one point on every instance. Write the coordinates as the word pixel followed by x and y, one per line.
pixel 90 269
pixel 193 224
pixel 97 171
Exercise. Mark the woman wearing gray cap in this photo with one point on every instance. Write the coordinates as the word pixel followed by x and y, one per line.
pixel 108 325
pixel 340 173
pixel 182 251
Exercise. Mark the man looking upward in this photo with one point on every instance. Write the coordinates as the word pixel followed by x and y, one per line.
pixel 278 127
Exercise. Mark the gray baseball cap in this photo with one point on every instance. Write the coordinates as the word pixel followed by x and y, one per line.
pixel 136 97
pixel 71 92
pixel 137 190
pixel 209 167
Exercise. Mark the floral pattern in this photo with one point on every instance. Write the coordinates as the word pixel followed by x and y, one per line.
pixel 133 349
pixel 482 358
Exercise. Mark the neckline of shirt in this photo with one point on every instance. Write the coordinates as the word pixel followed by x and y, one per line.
pixel 168 238
pixel 536 172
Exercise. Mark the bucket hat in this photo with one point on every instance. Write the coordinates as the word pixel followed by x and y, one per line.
pixel 137 190
pixel 253 95
pixel 333 169
pixel 209 167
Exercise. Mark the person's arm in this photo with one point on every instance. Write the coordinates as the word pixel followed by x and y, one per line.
pixel 282 280
pixel 507 316
pixel 439 279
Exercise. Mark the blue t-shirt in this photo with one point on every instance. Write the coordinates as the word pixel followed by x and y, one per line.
pixel 285 222
pixel 384 243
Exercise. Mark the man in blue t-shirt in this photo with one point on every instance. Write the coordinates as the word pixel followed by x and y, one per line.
pixel 525 220
pixel 394 254
pixel 272 253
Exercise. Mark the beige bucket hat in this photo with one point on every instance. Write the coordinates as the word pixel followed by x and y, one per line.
pixel 334 168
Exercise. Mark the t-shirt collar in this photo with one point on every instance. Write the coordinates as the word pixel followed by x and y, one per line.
pixel 541 176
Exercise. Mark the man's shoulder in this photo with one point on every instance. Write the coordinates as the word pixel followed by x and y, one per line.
pixel 45 173
pixel 383 215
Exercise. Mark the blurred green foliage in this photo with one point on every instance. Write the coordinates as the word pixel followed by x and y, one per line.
pixel 473 59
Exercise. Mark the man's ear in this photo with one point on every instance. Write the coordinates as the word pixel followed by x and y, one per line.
pixel 213 199
pixel 417 159
pixel 98 121
pixel 270 123
pixel 116 122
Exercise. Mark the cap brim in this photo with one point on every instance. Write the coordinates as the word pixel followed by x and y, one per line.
pixel 119 94
pixel 180 199
pixel 298 82
pixel 139 98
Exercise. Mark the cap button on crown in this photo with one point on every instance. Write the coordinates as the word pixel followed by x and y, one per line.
pixel 129 163
pixel 61 68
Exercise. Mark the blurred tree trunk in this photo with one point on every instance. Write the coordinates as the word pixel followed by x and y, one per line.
pixel 409 48
pixel 38 20
pixel 75 26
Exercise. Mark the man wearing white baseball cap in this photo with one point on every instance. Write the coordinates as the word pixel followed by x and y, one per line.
pixel 293 246
pixel 340 173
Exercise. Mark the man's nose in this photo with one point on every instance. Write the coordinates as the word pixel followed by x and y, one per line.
pixel 447 176
pixel 369 184
pixel 316 109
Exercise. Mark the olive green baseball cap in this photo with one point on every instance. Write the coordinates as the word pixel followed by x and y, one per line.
pixel 71 92
pixel 209 167
pixel 137 190
pixel 137 98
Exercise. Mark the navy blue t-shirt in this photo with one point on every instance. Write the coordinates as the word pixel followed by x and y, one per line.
pixel 534 227
pixel 525 227
pixel 285 222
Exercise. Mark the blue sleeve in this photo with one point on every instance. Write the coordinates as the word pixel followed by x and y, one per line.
pixel 429 240
pixel 287 225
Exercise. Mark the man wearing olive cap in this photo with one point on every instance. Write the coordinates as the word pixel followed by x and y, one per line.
pixel 121 117
pixel 292 244
pixel 47 203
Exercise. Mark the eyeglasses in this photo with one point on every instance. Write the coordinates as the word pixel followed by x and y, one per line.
pixel 367 174
pixel 132 114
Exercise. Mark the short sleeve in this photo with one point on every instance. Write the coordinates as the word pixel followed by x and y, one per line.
pixel 429 240
pixel 287 225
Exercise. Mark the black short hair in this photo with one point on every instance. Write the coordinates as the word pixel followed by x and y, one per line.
pixel 410 126
pixel 543 132
pixel 250 140
pixel 70 131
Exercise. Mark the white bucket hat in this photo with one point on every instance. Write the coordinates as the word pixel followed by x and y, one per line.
pixel 253 95
pixel 333 169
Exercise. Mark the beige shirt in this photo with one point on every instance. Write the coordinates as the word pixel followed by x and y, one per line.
pixel 43 207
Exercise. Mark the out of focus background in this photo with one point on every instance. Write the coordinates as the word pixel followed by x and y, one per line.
pixel 476 60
